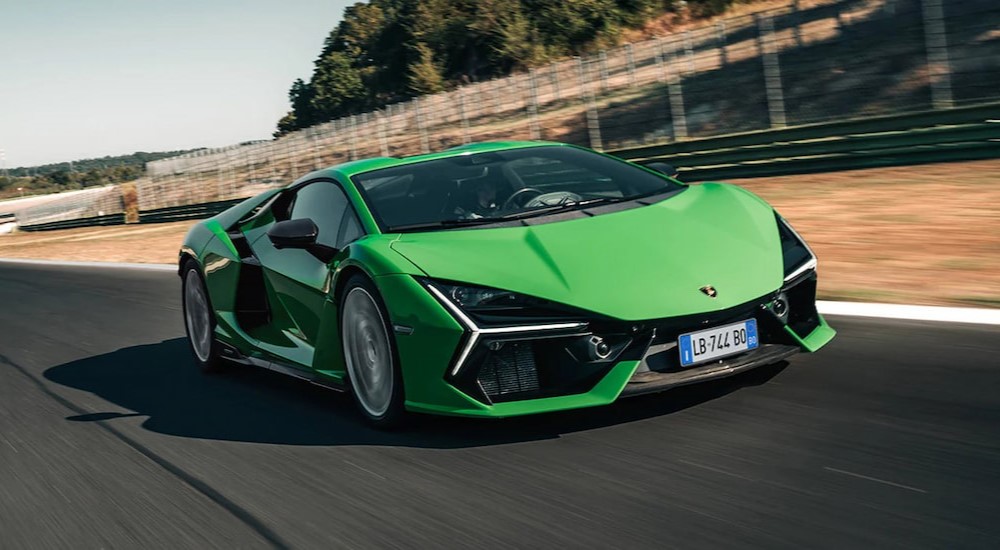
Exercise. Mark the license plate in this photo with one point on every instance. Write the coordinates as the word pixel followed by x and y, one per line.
pixel 713 343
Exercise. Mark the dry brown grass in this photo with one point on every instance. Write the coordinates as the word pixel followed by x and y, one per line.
pixel 157 243
pixel 922 235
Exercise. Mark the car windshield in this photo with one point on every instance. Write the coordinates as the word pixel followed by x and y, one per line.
pixel 488 187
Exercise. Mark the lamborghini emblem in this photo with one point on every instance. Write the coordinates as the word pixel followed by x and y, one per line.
pixel 709 291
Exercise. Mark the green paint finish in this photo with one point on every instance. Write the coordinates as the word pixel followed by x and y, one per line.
pixel 227 330
pixel 216 228
pixel 329 357
pixel 816 339
pixel 196 240
pixel 232 215
pixel 424 355
pixel 646 262
pixel 642 263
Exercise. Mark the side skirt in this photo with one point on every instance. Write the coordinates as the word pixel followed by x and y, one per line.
pixel 232 354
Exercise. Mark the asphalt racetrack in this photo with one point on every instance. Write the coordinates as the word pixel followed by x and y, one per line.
pixel 109 437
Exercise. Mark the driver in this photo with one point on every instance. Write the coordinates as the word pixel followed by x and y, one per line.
pixel 485 200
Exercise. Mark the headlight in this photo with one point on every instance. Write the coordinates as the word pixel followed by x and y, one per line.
pixel 496 314
pixel 797 256
pixel 483 299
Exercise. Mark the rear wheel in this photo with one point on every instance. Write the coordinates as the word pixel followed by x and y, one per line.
pixel 370 354
pixel 199 320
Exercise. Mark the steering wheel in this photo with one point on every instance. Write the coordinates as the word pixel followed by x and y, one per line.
pixel 555 198
pixel 510 200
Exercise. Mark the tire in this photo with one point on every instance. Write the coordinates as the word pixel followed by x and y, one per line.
pixel 370 354
pixel 199 320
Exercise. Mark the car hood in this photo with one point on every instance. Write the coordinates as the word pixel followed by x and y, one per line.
pixel 641 263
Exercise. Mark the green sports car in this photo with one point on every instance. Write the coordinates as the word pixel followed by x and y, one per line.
pixel 498 279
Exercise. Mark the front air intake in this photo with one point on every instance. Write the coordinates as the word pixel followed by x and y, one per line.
pixel 509 370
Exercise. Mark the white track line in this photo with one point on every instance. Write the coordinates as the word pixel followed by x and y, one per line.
pixel 848 309
pixel 118 265
pixel 913 313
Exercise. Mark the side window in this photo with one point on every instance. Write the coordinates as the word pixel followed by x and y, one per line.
pixel 350 230
pixel 326 204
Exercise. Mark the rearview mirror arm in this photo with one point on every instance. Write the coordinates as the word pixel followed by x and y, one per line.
pixel 322 252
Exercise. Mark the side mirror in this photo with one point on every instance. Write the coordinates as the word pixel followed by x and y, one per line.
pixel 302 234
pixel 663 168
pixel 293 234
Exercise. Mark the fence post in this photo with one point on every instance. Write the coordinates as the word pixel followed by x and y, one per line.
pixel 354 137
pixel 317 158
pixel 604 70
pixel 677 115
pixel 533 105
pixel 290 153
pixel 368 125
pixel 383 140
pixel 554 72
pixel 938 64
pixel 220 171
pixel 772 71
pixel 250 169
pixel 720 37
pixel 425 146
pixel 593 122
pixel 689 51
pixel 463 110
pixel 797 23
pixel 630 59
pixel 660 65
pixel 496 96
pixel 231 159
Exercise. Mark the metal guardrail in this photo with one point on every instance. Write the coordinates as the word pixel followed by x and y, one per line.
pixel 970 133
pixel 866 125
pixel 187 212
pixel 160 215
pixel 110 219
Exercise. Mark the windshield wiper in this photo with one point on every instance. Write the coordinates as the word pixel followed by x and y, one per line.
pixel 613 200
pixel 443 223
pixel 578 205
pixel 493 219
pixel 542 210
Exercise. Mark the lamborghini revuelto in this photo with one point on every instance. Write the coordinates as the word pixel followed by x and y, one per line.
pixel 498 279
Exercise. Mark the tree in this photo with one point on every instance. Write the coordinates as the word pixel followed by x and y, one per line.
pixel 336 87
pixel 288 123
pixel 358 31
pixel 387 50
pixel 425 74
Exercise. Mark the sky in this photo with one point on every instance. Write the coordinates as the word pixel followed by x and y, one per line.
pixel 85 79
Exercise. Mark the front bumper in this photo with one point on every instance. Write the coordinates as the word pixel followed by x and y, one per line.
pixel 652 381
pixel 527 373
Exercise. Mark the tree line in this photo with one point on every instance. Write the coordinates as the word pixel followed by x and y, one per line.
pixel 386 51
pixel 69 176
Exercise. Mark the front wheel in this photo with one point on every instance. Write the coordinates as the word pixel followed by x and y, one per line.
pixel 370 354
pixel 199 320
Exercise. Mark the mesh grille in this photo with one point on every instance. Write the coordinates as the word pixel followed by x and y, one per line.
pixel 511 369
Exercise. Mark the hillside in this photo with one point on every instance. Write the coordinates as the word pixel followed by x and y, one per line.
pixel 77 174
pixel 385 51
